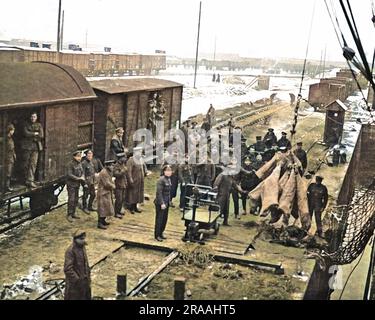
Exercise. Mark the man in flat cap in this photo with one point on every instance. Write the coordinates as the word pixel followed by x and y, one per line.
pixel 317 196
pixel 74 179
pixel 301 155
pixel 120 172
pixel 136 174
pixel 31 146
pixel 284 141
pixel 91 166
pixel 10 157
pixel 117 149
pixel 270 137
pixel 77 270
pixel 105 196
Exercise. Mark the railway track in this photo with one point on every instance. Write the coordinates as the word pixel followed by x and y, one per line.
pixel 9 222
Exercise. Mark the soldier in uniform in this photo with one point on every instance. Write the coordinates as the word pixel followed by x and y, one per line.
pixel 185 129
pixel 270 137
pixel 205 173
pixel 91 166
pixel 77 270
pixel 173 178
pixel 10 157
pixel 224 184
pixel 31 147
pixel 117 149
pixel 284 141
pixel 162 200
pixel 301 155
pixel 136 174
pixel 105 198
pixel 317 196
pixel 259 145
pixel 185 177
pixel 75 178
pixel 120 172
pixel 248 180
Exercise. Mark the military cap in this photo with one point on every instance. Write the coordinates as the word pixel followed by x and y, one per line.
pixel 282 148
pixel 320 178
pixel 270 129
pixel 77 152
pixel 284 133
pixel 109 162
pixel 79 233
pixel 166 167
pixel 88 151
pixel 119 129
pixel 258 138
pixel 299 143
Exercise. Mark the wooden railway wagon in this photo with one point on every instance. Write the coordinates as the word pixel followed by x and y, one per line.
pixel 348 83
pixel 89 64
pixel 63 100
pixel 125 103
pixel 323 93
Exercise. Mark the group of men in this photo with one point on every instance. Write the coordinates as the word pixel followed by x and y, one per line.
pixel 89 173
pixel 31 145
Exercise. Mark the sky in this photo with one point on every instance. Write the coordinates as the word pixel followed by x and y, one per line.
pixel 251 28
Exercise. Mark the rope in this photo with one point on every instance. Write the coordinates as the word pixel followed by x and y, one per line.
pixel 299 97
pixel 356 226
pixel 344 44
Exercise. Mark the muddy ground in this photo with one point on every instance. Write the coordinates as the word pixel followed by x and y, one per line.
pixel 46 239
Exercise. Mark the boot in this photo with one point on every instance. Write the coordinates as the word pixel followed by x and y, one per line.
pixel 101 225
pixel 105 222
pixel 132 208
pixel 31 184
pixel 74 216
pixel 69 218
pixel 91 208
pixel 118 216
pixel 86 210
pixel 136 209
pixel 7 185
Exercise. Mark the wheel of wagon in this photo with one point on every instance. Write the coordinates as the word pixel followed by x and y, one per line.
pixel 42 201
pixel 217 227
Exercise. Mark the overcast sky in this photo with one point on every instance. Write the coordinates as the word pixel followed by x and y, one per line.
pixel 255 28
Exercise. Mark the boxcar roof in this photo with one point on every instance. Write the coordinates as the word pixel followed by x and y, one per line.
pixel 41 83
pixel 113 86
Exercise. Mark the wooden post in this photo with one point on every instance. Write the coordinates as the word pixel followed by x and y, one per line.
pixel 121 284
pixel 179 288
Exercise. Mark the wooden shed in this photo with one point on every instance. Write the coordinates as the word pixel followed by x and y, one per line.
pixel 126 103
pixel 63 100
pixel 334 124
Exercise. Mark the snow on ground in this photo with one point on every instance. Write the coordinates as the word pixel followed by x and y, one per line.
pixel 223 95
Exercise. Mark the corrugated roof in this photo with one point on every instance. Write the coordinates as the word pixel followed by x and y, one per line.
pixel 26 84
pixel 113 86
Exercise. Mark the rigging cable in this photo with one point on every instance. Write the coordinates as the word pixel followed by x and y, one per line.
pixel 299 97
pixel 346 51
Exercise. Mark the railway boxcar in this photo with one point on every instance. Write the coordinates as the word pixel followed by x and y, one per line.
pixel 125 103
pixel 89 64
pixel 63 100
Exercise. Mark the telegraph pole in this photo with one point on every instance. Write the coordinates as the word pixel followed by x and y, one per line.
pixel 58 29
pixel 196 52
pixel 62 31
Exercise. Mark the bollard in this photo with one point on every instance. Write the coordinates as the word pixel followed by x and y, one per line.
pixel 121 285
pixel 179 288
